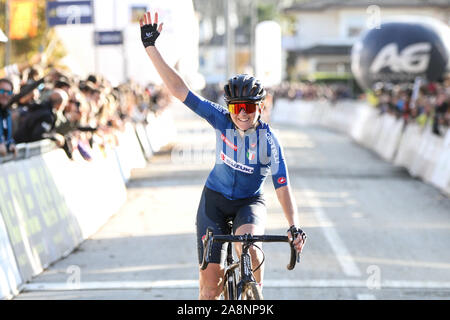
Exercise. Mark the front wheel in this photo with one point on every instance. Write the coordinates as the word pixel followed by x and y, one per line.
pixel 252 291
pixel 229 290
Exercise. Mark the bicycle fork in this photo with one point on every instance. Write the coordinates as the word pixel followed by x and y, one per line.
pixel 246 270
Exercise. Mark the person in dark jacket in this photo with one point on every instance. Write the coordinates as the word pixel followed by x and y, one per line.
pixel 7 143
pixel 39 122
pixel 442 103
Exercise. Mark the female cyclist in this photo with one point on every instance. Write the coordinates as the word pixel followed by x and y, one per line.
pixel 247 151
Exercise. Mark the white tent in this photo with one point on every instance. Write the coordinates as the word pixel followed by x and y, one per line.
pixel 3 37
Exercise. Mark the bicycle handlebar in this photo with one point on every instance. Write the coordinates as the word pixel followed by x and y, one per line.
pixel 246 238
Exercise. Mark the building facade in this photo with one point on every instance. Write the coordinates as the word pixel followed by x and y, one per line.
pixel 325 31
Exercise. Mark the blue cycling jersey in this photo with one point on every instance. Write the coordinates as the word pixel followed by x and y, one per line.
pixel 242 162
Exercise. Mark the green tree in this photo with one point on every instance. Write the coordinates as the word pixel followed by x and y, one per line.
pixel 22 50
pixel 274 10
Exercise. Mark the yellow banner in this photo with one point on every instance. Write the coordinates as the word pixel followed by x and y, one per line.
pixel 23 19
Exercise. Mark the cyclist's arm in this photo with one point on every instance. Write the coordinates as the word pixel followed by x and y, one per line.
pixel 173 81
pixel 212 112
pixel 287 202
pixel 150 31
pixel 280 178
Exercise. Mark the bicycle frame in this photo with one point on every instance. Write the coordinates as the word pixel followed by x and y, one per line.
pixel 246 273
pixel 244 263
pixel 230 271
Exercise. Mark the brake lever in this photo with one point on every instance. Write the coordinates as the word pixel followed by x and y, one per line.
pixel 294 236
pixel 207 244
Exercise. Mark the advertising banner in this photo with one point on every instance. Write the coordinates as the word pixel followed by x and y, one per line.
pixel 69 12
pixel 105 38
pixel 400 51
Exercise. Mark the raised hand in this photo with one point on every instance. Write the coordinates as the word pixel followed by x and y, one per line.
pixel 149 31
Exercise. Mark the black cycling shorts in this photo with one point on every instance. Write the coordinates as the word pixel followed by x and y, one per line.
pixel 215 210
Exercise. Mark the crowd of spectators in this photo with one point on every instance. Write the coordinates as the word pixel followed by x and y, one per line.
pixel 294 90
pixel 49 103
pixel 429 105
pixel 313 91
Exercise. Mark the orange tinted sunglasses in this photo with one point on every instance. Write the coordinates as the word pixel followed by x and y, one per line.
pixel 236 108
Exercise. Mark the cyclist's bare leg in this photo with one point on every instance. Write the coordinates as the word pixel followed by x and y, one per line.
pixel 256 254
pixel 211 282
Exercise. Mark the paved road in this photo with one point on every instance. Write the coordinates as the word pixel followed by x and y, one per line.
pixel 374 232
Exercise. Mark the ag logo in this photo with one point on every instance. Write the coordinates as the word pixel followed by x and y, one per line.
pixel 412 59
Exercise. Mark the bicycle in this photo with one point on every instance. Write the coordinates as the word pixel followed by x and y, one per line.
pixel 239 281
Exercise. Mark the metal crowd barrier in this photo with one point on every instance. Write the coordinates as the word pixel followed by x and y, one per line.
pixel 422 153
pixel 49 204
pixel 28 150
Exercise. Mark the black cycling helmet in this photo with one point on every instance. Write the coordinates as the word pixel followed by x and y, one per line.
pixel 244 87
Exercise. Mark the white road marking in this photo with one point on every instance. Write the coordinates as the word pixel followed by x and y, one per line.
pixel 111 285
pixel 365 296
pixel 343 256
pixel 193 284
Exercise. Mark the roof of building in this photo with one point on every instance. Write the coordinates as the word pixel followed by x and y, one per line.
pixel 320 5
pixel 325 50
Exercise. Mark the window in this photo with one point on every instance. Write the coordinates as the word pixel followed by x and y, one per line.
pixel 354 31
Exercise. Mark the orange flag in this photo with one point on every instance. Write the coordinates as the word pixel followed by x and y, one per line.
pixel 23 19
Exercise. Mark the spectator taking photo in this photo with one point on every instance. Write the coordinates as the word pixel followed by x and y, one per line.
pixel 7 143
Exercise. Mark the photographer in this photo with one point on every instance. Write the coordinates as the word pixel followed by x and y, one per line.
pixel 441 107
pixel 7 143
pixel 39 122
